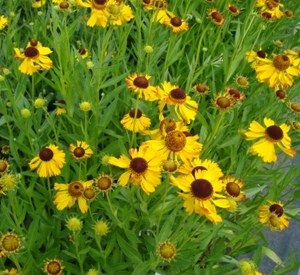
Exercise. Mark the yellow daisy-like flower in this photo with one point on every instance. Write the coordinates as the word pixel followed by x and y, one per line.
pixel 165 126
pixel 256 57
pixel 10 243
pixel 53 266
pixel 224 101
pixel 185 108
pixel 135 121
pixel 3 22
pixel 161 12
pixel 142 169
pixel 81 150
pixel 270 6
pixel 233 9
pixel 278 71
pixel 281 94
pixel 118 12
pixel 69 193
pixel 271 135
pixel 202 192
pixel 176 145
pixel 141 86
pixel 38 3
pixel 176 24
pixel 34 59
pixel 272 215
pixel 84 53
pixel 233 188
pixel 217 17
pixel 48 162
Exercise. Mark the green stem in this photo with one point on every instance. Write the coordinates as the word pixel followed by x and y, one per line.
pixel 16 262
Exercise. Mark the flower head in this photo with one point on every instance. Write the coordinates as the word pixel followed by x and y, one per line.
pixel 242 81
pixel 176 24
pixel 135 121
pixel 271 7
pixel 142 169
pixel 34 58
pixel 60 107
pixel 4 165
pixel 74 224
pixel 141 86
pixel 272 215
pixel 69 193
pixel 224 101
pixel 104 183
pixel 201 89
pixel 53 267
pixel 9 181
pixel 3 22
pixel 217 17
pixel 48 162
pixel 166 251
pixel 81 150
pixel 270 136
pixel 235 94
pixel 233 9
pixel 185 108
pixel 233 188
pixel 101 228
pixel 10 243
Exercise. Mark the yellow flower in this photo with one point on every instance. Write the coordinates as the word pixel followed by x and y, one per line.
pixel 68 194
pixel 118 12
pixel 142 169
pixel 38 3
pixel 216 16
pixel 141 86
pixel 3 22
pixel 176 145
pixel 223 101
pixel 135 121
pixel 185 108
pixel 233 188
pixel 34 59
pixel 166 251
pixel 48 162
pixel 271 135
pixel 84 53
pixel 101 228
pixel 81 150
pixel 233 9
pixel 10 243
pixel 255 57
pixel 60 110
pixel 53 266
pixel 272 215
pixel 74 224
pixel 270 6
pixel 161 13
pixel 202 193
pixel 278 71
pixel 176 24
pixel 85 106
pixel 294 57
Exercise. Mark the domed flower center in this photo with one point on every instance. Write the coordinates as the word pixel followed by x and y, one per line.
pixel 33 42
pixel 31 52
pixel 3 166
pixel 54 268
pixel 170 165
pixel 167 251
pixel 201 189
pixel 167 124
pixel 79 152
pixel 64 5
pixel 10 243
pixel 233 9
pixel 146 2
pixel 104 183
pixel 223 102
pixel 242 81
pixel 261 54
pixel 175 141
pixel 277 209
pixel 217 16
pixel 46 154
pixel 82 51
pixel 176 21
pixel 99 4
pixel 281 62
pixel 135 113
pixel 295 106
pixel 234 93
pixel 280 94
pixel 141 82
pixel 138 165
pixel 201 88
pixel 75 189
pixel 233 189
pixel 271 4
pixel 196 169
pixel 178 95
pixel 274 132
pixel 89 193
pixel 160 4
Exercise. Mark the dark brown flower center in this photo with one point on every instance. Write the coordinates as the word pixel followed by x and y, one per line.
pixel 175 140
pixel 261 54
pixel 141 82
pixel 61 101
pixel 233 189
pixel 33 42
pixel 79 152
pixel 176 21
pixel 233 9
pixel 271 4
pixel 146 2
pixel 274 132
pixel 201 189
pixel 104 183
pixel 167 124
pixel 64 5
pixel 31 52
pixel 281 62
pixel 46 154
pixel 198 168
pixel 135 113
pixel 234 93
pixel 280 94
pixel 178 95
pixel 217 16
pixel 54 268
pixel 266 15
pixel 99 4
pixel 138 165
pixel 277 209
pixel 201 88
pixel 75 189
pixel 223 102
pixel 82 51
pixel 289 13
